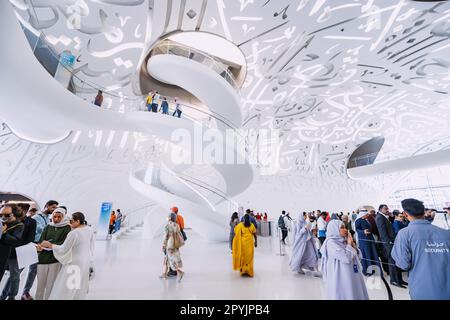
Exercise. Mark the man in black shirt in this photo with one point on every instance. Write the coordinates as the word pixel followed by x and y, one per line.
pixel 11 287
pixel 12 231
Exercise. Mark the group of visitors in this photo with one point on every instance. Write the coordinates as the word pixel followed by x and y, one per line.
pixel 397 241
pixel 174 239
pixel 154 100
pixel 412 241
pixel 64 244
pixel 408 241
pixel 154 103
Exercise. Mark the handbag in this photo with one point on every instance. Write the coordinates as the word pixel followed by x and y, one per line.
pixel 178 239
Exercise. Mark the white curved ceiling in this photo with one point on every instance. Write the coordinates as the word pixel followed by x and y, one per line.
pixel 329 74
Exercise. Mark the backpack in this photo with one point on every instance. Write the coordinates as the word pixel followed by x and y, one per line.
pixel 281 224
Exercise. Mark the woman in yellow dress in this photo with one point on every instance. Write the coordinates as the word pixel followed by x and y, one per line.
pixel 244 244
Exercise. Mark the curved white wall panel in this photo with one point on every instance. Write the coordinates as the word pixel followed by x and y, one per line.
pixel 20 87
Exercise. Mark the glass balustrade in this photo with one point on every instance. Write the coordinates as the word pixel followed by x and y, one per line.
pixel 364 160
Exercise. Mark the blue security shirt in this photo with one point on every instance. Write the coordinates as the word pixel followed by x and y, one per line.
pixel 424 251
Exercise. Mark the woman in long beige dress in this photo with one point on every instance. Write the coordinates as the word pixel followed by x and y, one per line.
pixel 171 247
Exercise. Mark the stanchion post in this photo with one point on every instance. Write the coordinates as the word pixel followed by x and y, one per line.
pixel 279 241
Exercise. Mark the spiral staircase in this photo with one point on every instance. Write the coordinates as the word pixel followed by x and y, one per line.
pixel 167 185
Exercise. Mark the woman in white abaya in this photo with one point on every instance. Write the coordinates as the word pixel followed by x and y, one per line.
pixel 72 282
pixel 341 267
pixel 304 252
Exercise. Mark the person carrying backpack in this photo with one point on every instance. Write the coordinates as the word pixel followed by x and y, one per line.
pixel 173 241
pixel 282 224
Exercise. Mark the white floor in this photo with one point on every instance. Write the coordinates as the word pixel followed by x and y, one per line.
pixel 129 268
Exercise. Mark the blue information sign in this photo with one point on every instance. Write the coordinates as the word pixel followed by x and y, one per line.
pixel 103 221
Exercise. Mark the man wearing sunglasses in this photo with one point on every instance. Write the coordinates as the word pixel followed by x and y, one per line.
pixel 11 287
pixel 12 231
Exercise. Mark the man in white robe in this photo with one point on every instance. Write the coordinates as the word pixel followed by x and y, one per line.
pixel 442 220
